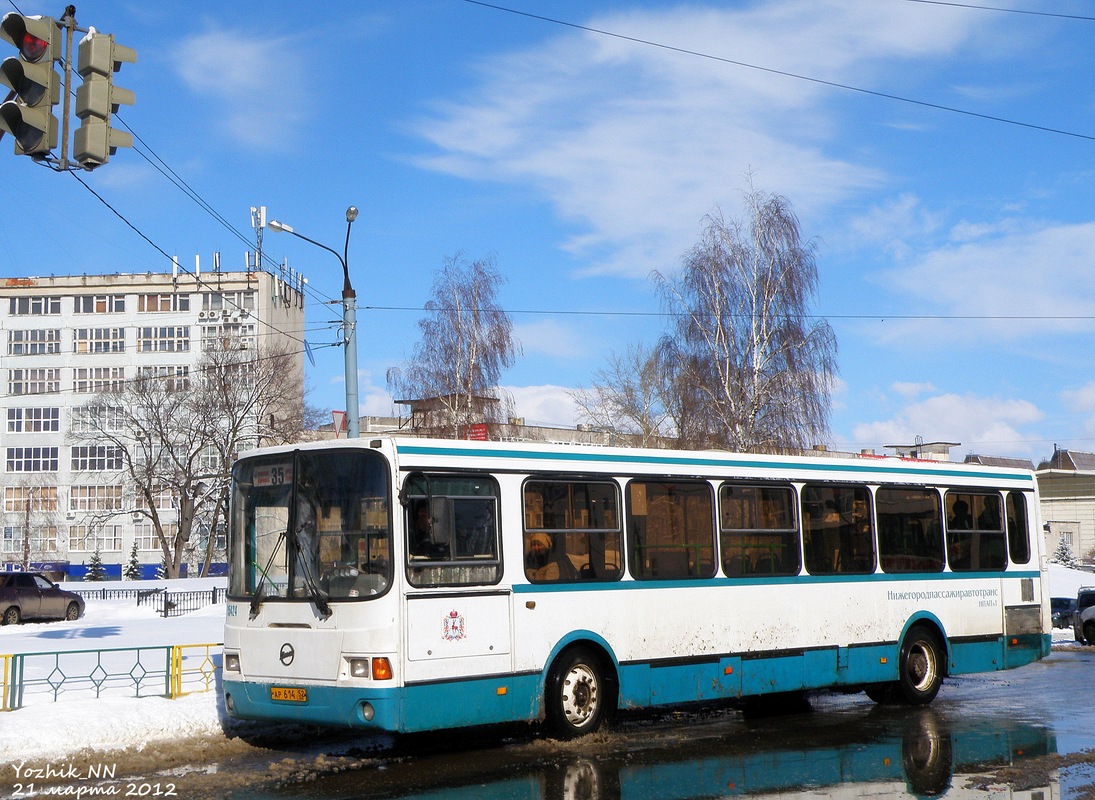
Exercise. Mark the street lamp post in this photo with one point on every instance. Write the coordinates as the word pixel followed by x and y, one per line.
pixel 349 319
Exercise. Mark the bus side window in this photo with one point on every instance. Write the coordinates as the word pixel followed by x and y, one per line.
pixel 758 531
pixel 452 533
pixel 1018 530
pixel 975 532
pixel 910 529
pixel 672 529
pixel 836 529
pixel 572 531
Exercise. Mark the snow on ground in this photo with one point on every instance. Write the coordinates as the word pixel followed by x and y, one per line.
pixel 48 730
pixel 44 730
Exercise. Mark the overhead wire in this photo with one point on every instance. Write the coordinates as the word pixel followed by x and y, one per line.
pixel 785 73
pixel 879 317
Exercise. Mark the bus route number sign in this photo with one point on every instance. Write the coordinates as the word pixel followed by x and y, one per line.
pixel 292 695
pixel 274 474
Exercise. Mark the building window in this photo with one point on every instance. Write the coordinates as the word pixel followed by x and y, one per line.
pixel 34 306
pixel 32 459
pixel 95 498
pixel 40 498
pixel 232 302
pixel 43 539
pixel 175 378
pixel 34 420
pixel 162 498
pixel 99 304
pixel 163 302
pixel 89 538
pixel 34 381
pixel 144 535
pixel 169 339
pixel 93 457
pixel 87 419
pixel 99 340
pixel 91 380
pixel 230 336
pixel 34 342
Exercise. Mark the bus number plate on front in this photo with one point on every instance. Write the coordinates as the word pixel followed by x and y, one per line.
pixel 291 695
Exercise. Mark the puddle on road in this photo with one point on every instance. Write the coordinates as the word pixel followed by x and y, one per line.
pixel 868 751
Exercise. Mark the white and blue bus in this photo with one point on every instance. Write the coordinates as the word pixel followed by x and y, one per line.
pixel 402 584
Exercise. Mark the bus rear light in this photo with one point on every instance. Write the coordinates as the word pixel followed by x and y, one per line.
pixel 382 669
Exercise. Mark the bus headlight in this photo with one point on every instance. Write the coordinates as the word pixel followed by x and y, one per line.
pixel 232 662
pixel 359 667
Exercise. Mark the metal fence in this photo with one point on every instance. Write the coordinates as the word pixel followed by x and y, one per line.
pixel 167 604
pixel 164 671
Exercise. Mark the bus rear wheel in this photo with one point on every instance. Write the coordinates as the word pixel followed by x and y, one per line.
pixel 921 666
pixel 920 672
pixel 577 694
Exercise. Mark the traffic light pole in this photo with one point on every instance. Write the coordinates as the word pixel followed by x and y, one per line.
pixel 69 22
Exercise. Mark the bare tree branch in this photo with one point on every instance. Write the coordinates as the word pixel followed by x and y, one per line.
pixel 467 342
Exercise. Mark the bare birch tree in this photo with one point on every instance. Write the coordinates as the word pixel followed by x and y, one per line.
pixel 175 436
pixel 467 342
pixel 750 367
pixel 630 396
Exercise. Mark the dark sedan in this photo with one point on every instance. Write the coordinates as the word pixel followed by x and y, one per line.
pixel 28 595
pixel 1062 609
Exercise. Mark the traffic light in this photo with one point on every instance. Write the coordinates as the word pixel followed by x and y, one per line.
pixel 28 113
pixel 98 58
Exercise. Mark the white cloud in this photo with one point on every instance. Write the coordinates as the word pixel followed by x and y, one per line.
pixel 1034 281
pixel 910 390
pixel 248 82
pixel 633 143
pixel 550 338
pixel 1082 402
pixel 543 405
pixel 893 226
pixel 986 425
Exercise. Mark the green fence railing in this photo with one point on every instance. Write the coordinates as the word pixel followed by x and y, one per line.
pixel 161 671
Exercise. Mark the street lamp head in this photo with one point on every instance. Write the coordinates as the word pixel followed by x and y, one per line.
pixel 351 213
pixel 274 225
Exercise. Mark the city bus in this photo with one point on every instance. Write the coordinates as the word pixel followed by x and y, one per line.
pixel 402 584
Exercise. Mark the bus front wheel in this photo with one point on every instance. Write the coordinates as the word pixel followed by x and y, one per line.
pixel 921 667
pixel 576 695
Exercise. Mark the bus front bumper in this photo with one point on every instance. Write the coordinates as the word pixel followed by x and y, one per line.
pixel 376 709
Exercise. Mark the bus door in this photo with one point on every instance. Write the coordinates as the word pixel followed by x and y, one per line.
pixel 457 617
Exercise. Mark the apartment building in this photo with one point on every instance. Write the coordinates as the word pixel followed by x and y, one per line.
pixel 64 340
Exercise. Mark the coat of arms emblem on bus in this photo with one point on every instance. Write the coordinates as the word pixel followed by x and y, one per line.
pixel 454 627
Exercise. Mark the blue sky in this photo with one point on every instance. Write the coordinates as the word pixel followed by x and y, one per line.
pixel 955 250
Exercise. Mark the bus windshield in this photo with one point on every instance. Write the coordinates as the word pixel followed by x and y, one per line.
pixel 311 525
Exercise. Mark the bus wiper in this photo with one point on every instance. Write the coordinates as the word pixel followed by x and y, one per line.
pixel 316 595
pixel 260 592
pixel 305 567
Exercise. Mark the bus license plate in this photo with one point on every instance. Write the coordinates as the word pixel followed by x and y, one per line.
pixel 291 695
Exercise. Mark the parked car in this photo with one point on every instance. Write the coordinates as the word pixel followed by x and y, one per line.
pixel 1061 609
pixel 29 595
pixel 1083 617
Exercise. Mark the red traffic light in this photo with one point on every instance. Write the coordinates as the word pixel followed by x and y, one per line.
pixel 32 48
pixel 34 36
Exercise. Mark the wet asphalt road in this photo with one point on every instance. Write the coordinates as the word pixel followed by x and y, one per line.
pixel 1021 733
